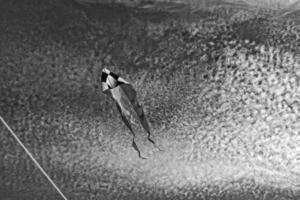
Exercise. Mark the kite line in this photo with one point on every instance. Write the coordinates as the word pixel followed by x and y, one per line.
pixel 33 159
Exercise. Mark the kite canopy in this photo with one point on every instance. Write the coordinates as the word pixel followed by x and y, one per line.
pixel 110 80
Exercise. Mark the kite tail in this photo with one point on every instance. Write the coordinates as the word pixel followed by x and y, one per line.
pixel 153 142
pixel 131 130
pixel 131 94
pixel 140 112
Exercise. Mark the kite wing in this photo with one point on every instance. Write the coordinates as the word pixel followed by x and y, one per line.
pixel 122 92
pixel 110 84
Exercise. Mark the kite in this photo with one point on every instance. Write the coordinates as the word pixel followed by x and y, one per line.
pixel 125 96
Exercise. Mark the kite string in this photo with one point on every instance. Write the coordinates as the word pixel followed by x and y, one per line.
pixel 33 159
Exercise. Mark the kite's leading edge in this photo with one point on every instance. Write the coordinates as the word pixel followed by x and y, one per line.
pixel 124 95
